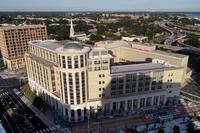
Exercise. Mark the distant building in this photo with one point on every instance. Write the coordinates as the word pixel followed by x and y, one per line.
pixel 80 36
pixel 135 38
pixel 110 78
pixel 14 43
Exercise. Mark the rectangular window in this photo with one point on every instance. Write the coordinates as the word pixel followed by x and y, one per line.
pixel 97 62
pixel 69 61
pixel 83 85
pixel 71 88
pixel 76 62
pixel 63 62
pixel 135 103
pixel 105 61
pixel 97 68
pixel 77 88
pixel 82 61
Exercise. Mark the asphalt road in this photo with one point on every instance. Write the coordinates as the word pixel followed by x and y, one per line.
pixel 7 121
pixel 20 107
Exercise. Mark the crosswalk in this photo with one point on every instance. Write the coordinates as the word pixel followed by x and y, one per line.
pixel 6 93
pixel 46 130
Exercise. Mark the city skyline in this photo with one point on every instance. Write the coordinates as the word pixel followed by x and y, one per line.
pixel 103 5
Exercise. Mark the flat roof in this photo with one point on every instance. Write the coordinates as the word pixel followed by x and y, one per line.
pixel 21 26
pixel 48 44
pixel 62 46
pixel 159 52
pixel 138 68
pixel 170 54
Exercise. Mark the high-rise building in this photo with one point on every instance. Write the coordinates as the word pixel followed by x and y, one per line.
pixel 113 78
pixel 14 43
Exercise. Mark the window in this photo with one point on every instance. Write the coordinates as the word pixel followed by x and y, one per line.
pixel 77 87
pixel 63 62
pixel 76 62
pixel 142 102
pixel 99 75
pixel 105 67
pixel 97 62
pixel 99 89
pixel 99 82
pixel 135 103
pixel 69 61
pixel 83 85
pixel 71 88
pixel 82 61
pixel 155 100
pixel 99 95
pixel 97 68
pixel 105 61
pixel 113 93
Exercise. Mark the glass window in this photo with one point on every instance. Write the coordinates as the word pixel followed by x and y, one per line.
pixel 75 61
pixel 63 62
pixel 82 61
pixel 69 61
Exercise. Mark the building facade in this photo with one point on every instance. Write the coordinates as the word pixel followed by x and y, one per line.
pixel 77 79
pixel 14 43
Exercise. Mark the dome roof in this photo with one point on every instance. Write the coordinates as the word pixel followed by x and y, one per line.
pixel 73 46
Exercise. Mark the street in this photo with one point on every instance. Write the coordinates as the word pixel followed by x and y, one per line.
pixel 20 111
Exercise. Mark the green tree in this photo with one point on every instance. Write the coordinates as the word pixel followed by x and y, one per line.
pixel 176 129
pixel 101 29
pixel 82 26
pixel 190 127
pixel 96 37
pixel 161 130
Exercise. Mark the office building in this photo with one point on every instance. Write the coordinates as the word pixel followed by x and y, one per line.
pixel 108 79
pixel 13 43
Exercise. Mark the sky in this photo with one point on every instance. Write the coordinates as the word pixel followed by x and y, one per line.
pixel 99 5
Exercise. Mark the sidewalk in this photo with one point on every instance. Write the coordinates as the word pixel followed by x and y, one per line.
pixel 38 112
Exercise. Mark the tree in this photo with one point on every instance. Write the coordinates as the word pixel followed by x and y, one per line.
pixel 161 130
pixel 101 29
pixel 82 26
pixel 190 127
pixel 96 37
pixel 176 129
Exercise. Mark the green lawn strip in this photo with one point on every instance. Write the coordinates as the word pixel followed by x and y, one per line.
pixel 33 98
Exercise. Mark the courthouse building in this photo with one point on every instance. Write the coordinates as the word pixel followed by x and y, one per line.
pixel 14 43
pixel 107 79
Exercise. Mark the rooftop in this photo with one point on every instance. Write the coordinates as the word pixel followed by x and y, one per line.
pixel 10 27
pixel 138 67
pixel 62 46
pixel 73 46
